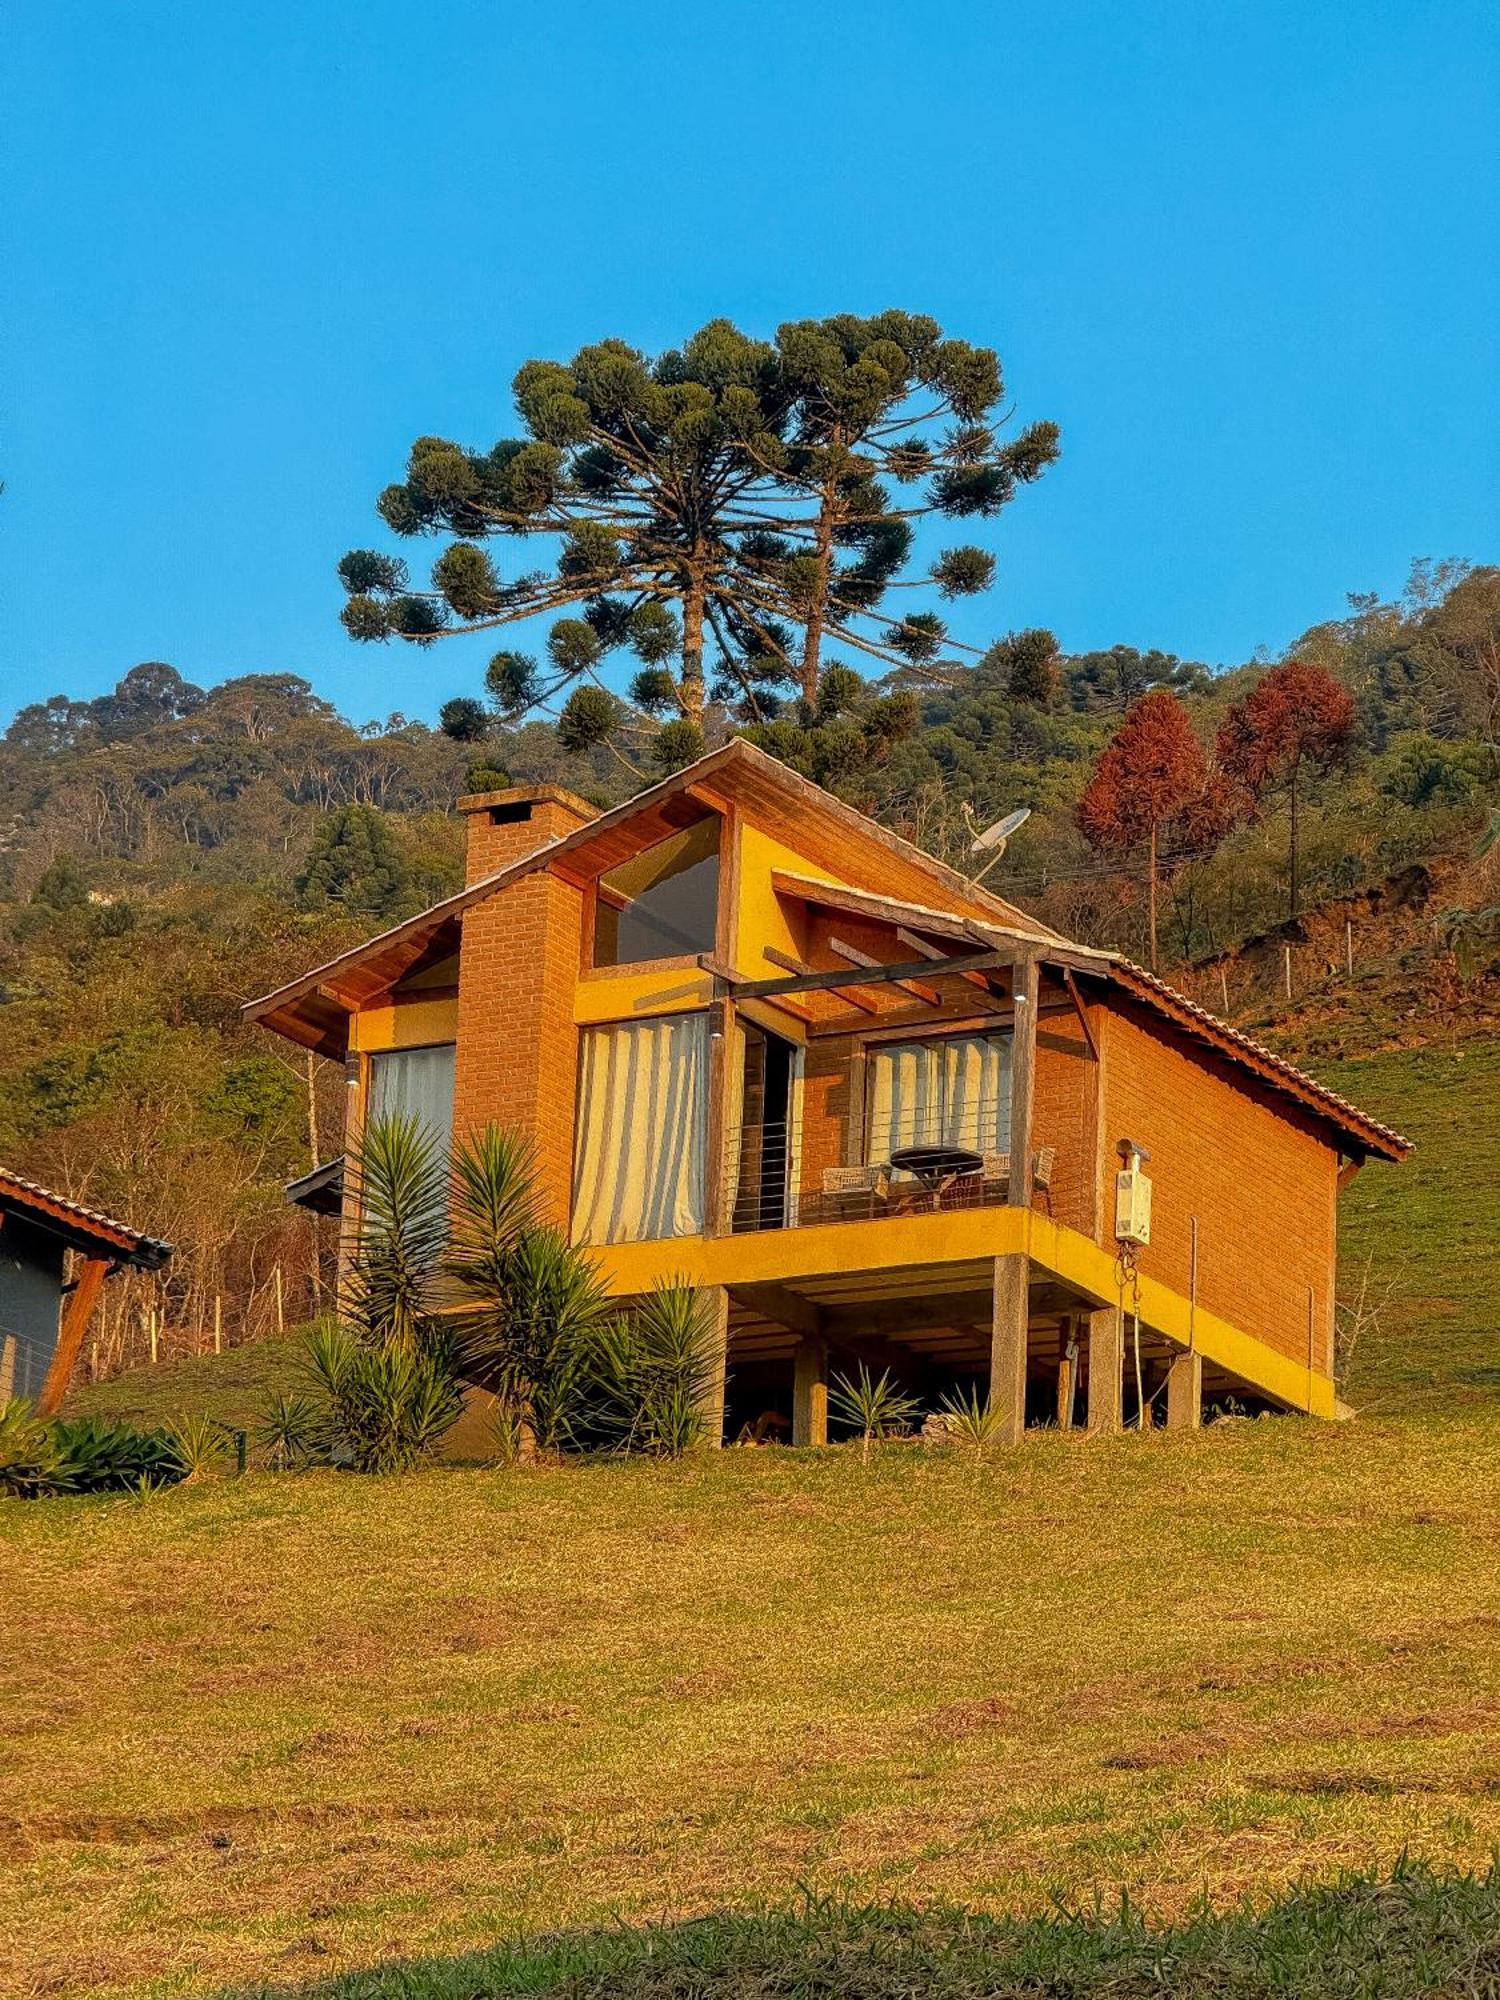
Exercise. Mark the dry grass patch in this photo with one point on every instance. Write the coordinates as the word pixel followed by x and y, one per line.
pixel 283 1726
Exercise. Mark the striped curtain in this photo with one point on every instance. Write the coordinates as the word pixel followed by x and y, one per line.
pixel 638 1159
pixel 949 1092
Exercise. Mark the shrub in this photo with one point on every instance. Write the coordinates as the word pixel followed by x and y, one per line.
pixel 648 1373
pixel 871 1408
pixel 42 1458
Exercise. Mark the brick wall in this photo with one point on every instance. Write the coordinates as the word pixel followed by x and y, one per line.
pixel 1242 1159
pixel 517 1059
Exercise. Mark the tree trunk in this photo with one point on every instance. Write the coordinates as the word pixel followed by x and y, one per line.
pixel 1151 892
pixel 817 610
pixel 1293 911
pixel 690 691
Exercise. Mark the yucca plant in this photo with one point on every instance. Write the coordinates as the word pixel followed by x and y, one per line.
pixel 197 1445
pixel 292 1430
pixel 974 1423
pixel 525 1304
pixel 649 1373
pixel 400 1181
pixel 387 1406
pixel 31 1464
pixel 873 1408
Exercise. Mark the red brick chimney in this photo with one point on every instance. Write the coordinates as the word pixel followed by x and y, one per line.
pixel 506 826
pixel 518 967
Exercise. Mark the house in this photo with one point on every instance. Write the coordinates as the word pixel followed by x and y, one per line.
pixel 874 1111
pixel 43 1319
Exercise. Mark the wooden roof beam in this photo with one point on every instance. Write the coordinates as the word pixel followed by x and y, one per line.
pixel 882 975
pixel 801 968
pixel 855 956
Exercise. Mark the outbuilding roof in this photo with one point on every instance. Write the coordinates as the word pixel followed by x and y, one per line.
pixel 84 1228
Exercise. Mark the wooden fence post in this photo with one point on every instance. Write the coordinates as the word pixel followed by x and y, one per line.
pixel 280 1303
pixel 1287 951
pixel 218 1323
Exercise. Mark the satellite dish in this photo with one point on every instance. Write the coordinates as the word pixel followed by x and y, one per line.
pixel 990 841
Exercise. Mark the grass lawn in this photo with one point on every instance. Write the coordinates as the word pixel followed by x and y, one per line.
pixel 272 1731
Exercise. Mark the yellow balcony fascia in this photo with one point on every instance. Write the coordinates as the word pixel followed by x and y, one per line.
pixel 962 1236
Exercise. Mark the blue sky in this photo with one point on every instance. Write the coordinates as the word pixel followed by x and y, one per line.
pixel 1245 255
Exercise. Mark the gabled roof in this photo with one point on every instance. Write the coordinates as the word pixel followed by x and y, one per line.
pixel 828 832
pixel 1134 979
pixel 83 1228
pixel 929 896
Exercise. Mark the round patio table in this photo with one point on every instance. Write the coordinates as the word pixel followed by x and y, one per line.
pixel 937 1167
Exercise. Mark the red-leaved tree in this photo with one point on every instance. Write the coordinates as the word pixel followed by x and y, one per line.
pixel 1151 783
pixel 1299 718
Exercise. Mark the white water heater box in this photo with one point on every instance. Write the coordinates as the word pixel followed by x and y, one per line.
pixel 1132 1206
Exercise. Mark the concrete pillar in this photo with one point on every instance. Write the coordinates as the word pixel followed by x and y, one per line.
pixel 1185 1392
pixel 1106 1369
pixel 810 1392
pixel 1008 1342
pixel 711 1399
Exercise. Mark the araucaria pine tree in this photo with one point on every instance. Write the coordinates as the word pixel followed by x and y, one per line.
pixel 722 511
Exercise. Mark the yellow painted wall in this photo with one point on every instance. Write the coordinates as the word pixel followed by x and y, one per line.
pixel 762 919
pixel 636 991
pixel 414 1024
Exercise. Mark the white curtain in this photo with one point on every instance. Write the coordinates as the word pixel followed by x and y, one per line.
pixel 416 1083
pixel 638 1162
pixel 949 1092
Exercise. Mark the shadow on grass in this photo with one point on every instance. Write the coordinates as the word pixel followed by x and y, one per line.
pixel 1412 1933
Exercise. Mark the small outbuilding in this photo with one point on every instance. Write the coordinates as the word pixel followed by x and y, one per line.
pixel 45 1307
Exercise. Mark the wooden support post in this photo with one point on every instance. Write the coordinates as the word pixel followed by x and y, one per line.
pixel 76 1316
pixel 354 1125
pixel 810 1392
pixel 711 1400
pixel 1067 1374
pixel 1008 1328
pixel 1106 1369
pixel 1185 1391
pixel 1022 1081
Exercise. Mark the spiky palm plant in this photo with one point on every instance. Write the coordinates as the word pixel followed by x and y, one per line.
pixel 292 1430
pixel 874 1408
pixel 400 1183
pixel 650 1372
pixel 388 1406
pixel 974 1423
pixel 525 1304
pixel 197 1444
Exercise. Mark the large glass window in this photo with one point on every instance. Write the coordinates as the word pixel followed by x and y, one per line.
pixel 416 1083
pixel 638 1161
pixel 953 1090
pixel 663 903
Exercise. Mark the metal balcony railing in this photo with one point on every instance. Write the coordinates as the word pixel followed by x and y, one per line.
pixel 939 1158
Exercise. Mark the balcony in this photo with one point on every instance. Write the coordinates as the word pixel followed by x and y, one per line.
pixel 932 1160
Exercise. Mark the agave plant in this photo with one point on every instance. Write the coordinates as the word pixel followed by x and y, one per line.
pixel 197 1444
pixel 103 1457
pixel 31 1464
pixel 872 1408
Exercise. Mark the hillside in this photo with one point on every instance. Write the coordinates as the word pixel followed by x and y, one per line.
pixel 167 851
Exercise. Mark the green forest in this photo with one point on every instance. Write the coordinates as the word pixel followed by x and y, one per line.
pixel 169 850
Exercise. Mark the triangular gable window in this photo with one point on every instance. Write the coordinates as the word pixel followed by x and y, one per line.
pixel 663 903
